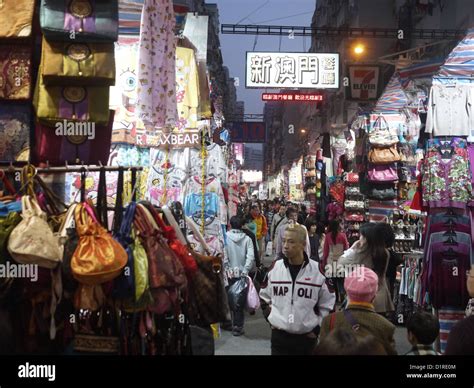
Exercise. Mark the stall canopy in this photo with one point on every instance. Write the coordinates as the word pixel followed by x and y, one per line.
pixel 130 13
pixel 393 98
pixel 459 66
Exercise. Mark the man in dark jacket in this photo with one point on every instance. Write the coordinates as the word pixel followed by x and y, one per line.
pixel 361 286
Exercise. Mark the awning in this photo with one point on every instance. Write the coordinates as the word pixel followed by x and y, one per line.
pixel 130 13
pixel 393 98
pixel 459 65
pixel 419 71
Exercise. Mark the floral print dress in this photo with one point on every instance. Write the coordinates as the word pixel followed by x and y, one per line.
pixel 446 174
pixel 156 105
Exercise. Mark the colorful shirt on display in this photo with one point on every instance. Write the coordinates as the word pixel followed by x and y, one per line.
pixel 446 174
pixel 187 88
pixel 444 273
pixel 215 210
pixel 449 110
pixel 167 176
pixel 215 162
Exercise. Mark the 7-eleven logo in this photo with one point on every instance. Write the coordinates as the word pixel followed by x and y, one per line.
pixel 364 82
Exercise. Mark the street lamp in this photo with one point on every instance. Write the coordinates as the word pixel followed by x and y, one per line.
pixel 358 48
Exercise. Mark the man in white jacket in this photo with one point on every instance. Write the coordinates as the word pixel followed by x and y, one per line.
pixel 295 298
pixel 240 261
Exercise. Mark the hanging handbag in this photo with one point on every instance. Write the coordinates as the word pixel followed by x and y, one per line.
pixel 124 285
pixel 15 122
pixel 386 173
pixel 98 258
pixel 357 205
pixel 337 191
pixel 407 154
pixel 53 104
pixel 354 217
pixel 165 269
pixel 382 193
pixel 384 155
pixel 69 238
pixel 17 17
pixel 381 135
pixel 78 64
pixel 351 178
pixel 15 72
pixel 79 20
pixel 7 224
pixel 181 251
pixel 93 147
pixel 207 292
pixel 32 241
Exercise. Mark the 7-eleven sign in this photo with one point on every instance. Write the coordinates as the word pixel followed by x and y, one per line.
pixel 364 82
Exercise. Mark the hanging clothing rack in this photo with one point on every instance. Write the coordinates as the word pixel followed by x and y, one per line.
pixel 15 166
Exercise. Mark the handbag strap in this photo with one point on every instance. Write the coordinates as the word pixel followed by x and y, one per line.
pixel 67 220
pixel 351 319
pixel 90 211
pixel 118 211
pixel 102 199
pixel 142 219
pixel 126 224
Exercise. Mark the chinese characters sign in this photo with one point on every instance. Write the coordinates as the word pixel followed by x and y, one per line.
pixel 291 97
pixel 292 70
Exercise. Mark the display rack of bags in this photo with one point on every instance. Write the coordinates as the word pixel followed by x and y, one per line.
pixel 355 206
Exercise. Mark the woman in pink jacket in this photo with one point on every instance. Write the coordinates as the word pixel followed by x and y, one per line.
pixel 335 243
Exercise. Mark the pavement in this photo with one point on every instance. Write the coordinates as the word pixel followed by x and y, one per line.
pixel 256 340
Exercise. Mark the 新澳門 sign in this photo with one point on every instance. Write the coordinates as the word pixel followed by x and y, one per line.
pixel 247 132
pixel 292 70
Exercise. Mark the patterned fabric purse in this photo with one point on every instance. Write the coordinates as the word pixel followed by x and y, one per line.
pixel 85 20
pixel 78 64
pixel 15 72
pixel 15 121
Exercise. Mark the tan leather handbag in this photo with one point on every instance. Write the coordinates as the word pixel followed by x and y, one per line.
pixel 384 155
pixel 33 241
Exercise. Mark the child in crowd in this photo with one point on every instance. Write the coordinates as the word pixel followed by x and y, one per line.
pixel 422 331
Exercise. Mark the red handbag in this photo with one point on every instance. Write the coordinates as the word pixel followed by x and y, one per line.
pixel 337 191
pixel 90 144
pixel 180 250
pixel 352 178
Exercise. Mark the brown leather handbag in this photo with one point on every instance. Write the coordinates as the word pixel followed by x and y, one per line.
pixel 384 155
pixel 207 296
pixel 165 269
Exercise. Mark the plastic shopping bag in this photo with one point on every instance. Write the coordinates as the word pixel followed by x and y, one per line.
pixel 269 249
pixel 253 300
pixel 237 294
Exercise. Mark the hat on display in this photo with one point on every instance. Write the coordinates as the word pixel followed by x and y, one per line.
pixel 361 285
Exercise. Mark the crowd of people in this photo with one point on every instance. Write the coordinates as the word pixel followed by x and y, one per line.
pixel 320 295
